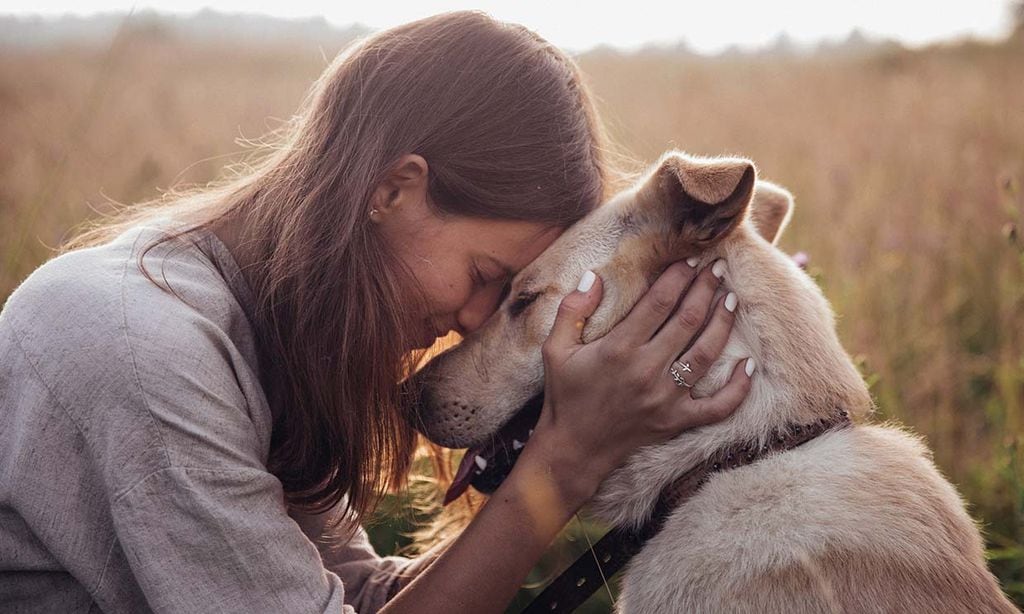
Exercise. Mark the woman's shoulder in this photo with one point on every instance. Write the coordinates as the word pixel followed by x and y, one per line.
pixel 96 297
pixel 73 284
pixel 93 316
pixel 164 351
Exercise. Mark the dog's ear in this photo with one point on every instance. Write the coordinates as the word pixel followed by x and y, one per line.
pixel 706 197
pixel 771 210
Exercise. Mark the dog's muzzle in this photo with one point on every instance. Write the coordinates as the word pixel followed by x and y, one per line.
pixel 485 467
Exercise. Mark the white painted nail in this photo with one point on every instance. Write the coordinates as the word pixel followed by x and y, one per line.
pixel 749 368
pixel 730 302
pixel 586 282
pixel 481 462
pixel 692 261
pixel 718 268
pixel 517 445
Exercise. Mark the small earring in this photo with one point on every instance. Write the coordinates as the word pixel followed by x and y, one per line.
pixel 374 215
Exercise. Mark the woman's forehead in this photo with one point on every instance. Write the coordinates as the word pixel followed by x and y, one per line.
pixel 511 245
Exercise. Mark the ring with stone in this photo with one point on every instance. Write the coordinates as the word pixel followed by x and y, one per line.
pixel 676 371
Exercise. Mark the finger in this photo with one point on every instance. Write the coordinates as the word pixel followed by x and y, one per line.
pixel 680 331
pixel 721 405
pixel 708 346
pixel 654 307
pixel 573 312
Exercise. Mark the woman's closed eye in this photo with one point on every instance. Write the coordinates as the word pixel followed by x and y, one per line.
pixel 521 302
pixel 477 275
pixel 482 279
pixel 483 276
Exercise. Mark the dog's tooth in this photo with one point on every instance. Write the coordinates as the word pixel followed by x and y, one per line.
pixel 517 445
pixel 481 462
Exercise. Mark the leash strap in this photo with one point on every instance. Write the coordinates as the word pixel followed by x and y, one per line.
pixel 613 551
pixel 577 583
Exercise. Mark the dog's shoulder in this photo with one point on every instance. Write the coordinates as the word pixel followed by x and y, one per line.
pixel 870 486
pixel 790 526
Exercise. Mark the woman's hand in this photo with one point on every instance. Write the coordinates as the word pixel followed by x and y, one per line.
pixel 605 399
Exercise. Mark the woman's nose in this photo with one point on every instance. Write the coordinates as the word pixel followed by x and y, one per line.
pixel 480 306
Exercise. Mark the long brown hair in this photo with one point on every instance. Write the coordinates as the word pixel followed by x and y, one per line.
pixel 508 131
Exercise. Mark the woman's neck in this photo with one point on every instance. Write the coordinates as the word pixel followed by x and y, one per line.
pixel 231 230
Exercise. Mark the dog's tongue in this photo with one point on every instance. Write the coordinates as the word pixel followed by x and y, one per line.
pixel 485 466
pixel 463 476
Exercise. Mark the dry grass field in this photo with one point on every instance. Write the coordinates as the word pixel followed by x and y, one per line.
pixel 907 168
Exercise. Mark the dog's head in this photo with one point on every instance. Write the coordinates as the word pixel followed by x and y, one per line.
pixel 685 206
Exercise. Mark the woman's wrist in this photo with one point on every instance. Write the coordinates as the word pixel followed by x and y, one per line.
pixel 559 464
pixel 484 566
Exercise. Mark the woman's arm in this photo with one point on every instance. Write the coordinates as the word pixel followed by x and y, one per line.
pixel 588 427
pixel 485 566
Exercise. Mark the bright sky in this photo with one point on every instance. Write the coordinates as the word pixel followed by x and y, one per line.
pixel 707 25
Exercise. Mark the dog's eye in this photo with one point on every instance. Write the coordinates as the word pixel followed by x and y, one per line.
pixel 522 301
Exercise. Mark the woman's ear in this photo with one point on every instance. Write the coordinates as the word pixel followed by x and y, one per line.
pixel 403 191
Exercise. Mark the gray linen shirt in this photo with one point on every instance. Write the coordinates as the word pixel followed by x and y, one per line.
pixel 134 437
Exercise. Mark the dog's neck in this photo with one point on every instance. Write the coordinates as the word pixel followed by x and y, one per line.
pixel 803 374
pixel 785 323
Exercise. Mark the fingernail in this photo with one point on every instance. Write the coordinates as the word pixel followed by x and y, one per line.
pixel 692 261
pixel 750 366
pixel 718 269
pixel 730 302
pixel 586 282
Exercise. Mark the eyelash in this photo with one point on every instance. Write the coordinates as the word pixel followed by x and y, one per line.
pixel 524 300
pixel 479 281
pixel 478 277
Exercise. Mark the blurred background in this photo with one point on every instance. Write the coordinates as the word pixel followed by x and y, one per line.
pixel 899 130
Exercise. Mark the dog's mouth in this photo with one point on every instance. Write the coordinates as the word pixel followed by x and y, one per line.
pixel 485 466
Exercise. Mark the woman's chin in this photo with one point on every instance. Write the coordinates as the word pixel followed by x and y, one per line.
pixel 426 339
pixel 422 345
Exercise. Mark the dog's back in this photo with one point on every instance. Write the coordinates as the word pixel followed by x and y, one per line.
pixel 858 520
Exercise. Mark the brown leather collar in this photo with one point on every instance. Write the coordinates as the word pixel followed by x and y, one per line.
pixel 577 583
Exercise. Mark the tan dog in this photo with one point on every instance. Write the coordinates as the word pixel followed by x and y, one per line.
pixel 857 520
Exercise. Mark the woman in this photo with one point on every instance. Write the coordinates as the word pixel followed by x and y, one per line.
pixel 211 387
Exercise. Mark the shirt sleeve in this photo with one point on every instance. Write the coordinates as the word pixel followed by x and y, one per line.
pixel 202 540
pixel 370 579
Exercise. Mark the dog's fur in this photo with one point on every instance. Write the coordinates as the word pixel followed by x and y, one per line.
pixel 858 520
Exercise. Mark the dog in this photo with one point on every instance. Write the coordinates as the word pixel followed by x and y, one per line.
pixel 857 520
